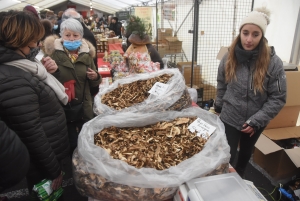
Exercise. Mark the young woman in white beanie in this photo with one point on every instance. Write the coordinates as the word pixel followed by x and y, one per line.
pixel 251 87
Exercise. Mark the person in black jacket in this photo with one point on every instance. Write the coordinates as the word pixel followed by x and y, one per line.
pixel 14 158
pixel 31 98
pixel 87 34
pixel 116 26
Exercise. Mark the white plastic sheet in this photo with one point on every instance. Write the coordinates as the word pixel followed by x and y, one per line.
pixel 152 103
pixel 214 154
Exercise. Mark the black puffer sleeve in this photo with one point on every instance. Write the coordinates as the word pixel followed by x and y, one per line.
pixel 20 109
pixel 14 158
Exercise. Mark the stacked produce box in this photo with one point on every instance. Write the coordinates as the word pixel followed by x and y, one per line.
pixel 102 45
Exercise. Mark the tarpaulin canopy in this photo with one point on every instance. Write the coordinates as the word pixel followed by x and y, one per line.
pixel 108 6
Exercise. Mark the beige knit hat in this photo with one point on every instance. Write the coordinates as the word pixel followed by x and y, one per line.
pixel 259 17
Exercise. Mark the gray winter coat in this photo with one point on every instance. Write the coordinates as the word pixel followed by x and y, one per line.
pixel 237 100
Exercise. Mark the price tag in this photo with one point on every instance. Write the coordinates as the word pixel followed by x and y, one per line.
pixel 202 128
pixel 103 69
pixel 158 88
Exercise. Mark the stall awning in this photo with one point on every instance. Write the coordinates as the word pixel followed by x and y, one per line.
pixel 108 6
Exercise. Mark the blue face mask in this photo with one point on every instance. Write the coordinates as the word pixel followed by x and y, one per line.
pixel 72 45
pixel 55 26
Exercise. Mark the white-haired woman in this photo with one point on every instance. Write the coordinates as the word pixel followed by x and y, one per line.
pixel 74 57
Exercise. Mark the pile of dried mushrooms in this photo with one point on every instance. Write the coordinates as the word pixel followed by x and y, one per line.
pixel 159 146
pixel 96 186
pixel 127 95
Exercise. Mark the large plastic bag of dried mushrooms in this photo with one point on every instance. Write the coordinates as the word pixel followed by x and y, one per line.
pixel 146 92
pixel 147 156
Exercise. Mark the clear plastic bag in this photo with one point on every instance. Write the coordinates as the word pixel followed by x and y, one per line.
pixel 95 171
pixel 153 103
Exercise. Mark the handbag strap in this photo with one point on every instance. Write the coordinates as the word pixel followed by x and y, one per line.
pixel 83 94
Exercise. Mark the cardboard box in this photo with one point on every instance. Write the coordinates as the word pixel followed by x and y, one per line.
pixel 186 69
pixel 163 33
pixel 174 43
pixel 293 84
pixel 209 91
pixel 110 41
pixel 222 52
pixel 163 50
pixel 287 117
pixel 209 94
pixel 280 163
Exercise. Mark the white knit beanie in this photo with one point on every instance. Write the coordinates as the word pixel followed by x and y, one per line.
pixel 259 17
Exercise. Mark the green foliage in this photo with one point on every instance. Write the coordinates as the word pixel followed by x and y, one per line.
pixel 136 25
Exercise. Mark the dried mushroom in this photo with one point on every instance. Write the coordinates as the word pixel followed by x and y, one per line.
pixel 159 146
pixel 97 187
pixel 183 102
pixel 133 93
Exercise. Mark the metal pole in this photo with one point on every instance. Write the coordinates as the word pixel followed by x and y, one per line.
pixel 196 29
pixel 184 21
pixel 252 5
pixel 162 16
pixel 195 38
pixel 234 20
pixel 295 54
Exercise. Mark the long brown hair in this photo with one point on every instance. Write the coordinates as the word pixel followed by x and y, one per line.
pixel 19 28
pixel 261 64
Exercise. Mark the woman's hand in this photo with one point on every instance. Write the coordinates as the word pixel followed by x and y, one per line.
pixel 49 64
pixel 248 129
pixel 92 75
pixel 56 183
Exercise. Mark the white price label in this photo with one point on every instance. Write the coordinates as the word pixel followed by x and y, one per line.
pixel 103 69
pixel 158 88
pixel 202 128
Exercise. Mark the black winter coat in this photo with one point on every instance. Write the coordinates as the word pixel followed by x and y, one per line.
pixel 30 108
pixel 14 158
pixel 116 27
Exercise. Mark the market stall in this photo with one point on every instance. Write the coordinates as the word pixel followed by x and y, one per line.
pixel 147 140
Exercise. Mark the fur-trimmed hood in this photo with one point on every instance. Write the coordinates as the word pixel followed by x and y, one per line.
pixel 52 43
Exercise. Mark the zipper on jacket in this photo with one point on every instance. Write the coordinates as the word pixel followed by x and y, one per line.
pixel 251 84
pixel 278 83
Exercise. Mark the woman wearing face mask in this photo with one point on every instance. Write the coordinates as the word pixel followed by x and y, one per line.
pixel 31 99
pixel 74 57
pixel 251 87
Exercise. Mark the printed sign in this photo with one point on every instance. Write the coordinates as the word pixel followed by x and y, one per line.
pixel 169 11
pixel 202 128
pixel 146 14
pixel 122 15
pixel 158 88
